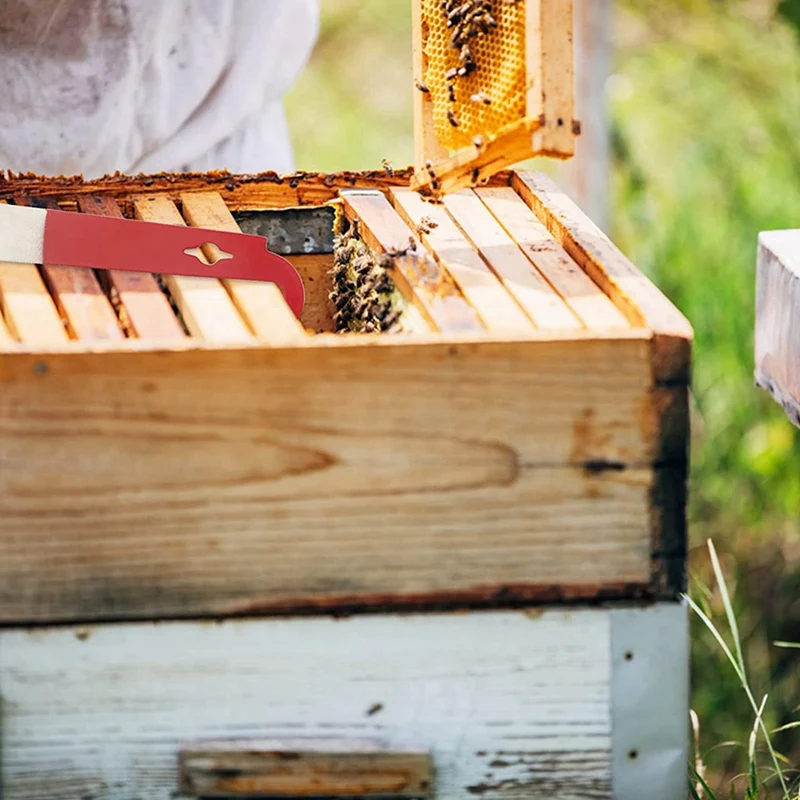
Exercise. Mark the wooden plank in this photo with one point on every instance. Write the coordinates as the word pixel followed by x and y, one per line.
pixel 240 192
pixel 525 283
pixel 141 305
pixel 580 292
pixel 204 304
pixel 78 296
pixel 29 310
pixel 634 294
pixel 550 55
pixel 284 768
pixel 262 305
pixel 315 270
pixel 419 277
pixel 426 145
pixel 139 485
pixel 777 319
pixel 30 314
pixel 510 705
pixel 5 334
pixel 479 284
pixel 476 163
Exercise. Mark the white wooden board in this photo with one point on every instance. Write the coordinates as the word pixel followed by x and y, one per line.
pixel 777 328
pixel 511 705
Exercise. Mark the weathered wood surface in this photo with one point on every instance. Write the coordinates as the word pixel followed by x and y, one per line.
pixel 550 54
pixel 308 768
pixel 417 275
pixel 524 282
pixel 777 324
pixel 631 290
pixel 586 299
pixel 455 253
pixel 230 480
pixel 511 706
pixel 241 192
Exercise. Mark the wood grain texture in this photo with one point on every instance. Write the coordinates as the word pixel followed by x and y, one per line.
pixel 477 163
pixel 29 313
pixel 29 310
pixel 262 305
pixel 426 145
pixel 241 192
pixel 5 334
pixel 524 282
pixel 424 282
pixel 635 295
pixel 550 51
pixel 580 292
pixel 140 304
pixel 78 296
pixel 223 481
pixel 204 304
pixel 315 270
pixel 777 319
pixel 511 706
pixel 479 284
pixel 309 768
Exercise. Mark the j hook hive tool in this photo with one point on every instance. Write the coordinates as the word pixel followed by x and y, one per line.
pixel 63 238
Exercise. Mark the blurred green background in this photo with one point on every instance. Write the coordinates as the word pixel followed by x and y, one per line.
pixel 704 104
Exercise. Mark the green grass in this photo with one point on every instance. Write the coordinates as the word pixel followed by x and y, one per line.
pixel 705 104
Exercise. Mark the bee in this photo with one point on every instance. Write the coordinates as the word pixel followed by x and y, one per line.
pixel 478 141
pixel 475 174
pixel 481 97
pixel 386 164
pixel 451 92
pixel 422 87
pixel 451 118
pixel 426 225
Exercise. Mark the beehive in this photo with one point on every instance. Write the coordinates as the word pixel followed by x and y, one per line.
pixel 173 450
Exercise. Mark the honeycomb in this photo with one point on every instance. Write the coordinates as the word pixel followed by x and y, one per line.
pixel 485 41
pixel 364 297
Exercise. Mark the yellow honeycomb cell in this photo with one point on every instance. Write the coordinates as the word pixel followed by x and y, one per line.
pixel 500 74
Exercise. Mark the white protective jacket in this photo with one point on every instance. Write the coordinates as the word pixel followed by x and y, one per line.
pixel 93 86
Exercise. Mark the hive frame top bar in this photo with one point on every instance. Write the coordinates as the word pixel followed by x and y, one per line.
pixel 548 127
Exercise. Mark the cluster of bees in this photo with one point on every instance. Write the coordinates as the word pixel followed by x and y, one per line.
pixel 467 19
pixel 364 296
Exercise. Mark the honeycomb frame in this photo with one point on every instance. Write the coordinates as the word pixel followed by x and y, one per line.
pixel 508 98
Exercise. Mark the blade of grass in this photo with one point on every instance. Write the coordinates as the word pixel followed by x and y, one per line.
pixel 736 663
pixel 752 789
pixel 726 601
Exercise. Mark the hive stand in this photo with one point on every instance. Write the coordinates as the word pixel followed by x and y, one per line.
pixel 244 555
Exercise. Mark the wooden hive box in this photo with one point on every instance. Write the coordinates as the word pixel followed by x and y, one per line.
pixel 508 471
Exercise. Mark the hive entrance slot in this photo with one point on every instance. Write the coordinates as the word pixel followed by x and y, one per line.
pixel 208 253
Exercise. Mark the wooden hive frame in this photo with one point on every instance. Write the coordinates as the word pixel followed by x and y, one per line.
pixel 548 128
pixel 559 473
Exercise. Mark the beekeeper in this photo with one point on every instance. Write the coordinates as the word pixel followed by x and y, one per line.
pixel 94 86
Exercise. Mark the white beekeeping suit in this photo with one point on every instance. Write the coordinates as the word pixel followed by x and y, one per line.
pixel 93 86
